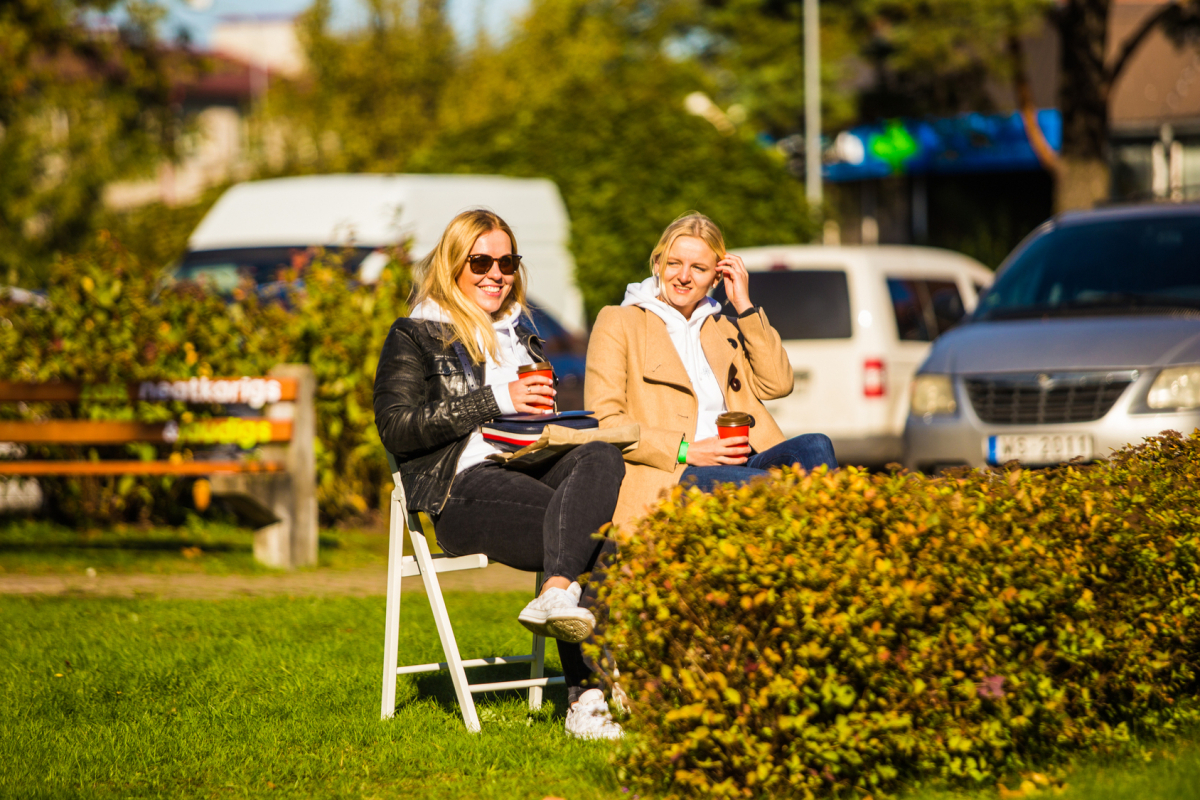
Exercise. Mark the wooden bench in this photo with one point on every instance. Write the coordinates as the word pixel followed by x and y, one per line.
pixel 275 493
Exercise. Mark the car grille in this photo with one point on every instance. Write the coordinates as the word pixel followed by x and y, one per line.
pixel 1046 398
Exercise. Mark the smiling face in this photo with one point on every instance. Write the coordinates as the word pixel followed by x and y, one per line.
pixel 686 273
pixel 488 291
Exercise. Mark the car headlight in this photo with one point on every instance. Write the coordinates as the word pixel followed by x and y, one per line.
pixel 933 394
pixel 1177 387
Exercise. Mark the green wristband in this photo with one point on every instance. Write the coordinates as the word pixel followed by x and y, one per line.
pixel 683 448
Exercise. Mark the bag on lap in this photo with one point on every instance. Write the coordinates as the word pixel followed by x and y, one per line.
pixel 511 432
pixel 529 439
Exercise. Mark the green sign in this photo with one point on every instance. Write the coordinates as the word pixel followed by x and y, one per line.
pixel 894 146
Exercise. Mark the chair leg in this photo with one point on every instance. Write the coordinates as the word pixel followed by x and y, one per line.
pixel 537 668
pixel 391 634
pixel 458 675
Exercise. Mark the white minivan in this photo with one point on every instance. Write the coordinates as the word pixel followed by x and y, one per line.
pixel 856 323
pixel 258 227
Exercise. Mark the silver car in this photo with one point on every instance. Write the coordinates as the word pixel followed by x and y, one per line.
pixel 1088 340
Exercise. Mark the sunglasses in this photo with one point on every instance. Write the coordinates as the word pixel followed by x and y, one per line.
pixel 481 264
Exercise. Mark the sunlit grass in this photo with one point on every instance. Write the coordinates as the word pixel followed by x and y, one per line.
pixel 266 697
pixel 280 697
pixel 38 547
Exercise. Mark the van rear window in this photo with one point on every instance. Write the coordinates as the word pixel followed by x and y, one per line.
pixel 924 308
pixel 803 304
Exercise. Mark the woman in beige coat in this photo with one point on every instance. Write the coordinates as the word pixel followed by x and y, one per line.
pixel 667 359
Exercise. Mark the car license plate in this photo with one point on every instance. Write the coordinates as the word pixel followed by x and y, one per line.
pixel 1038 448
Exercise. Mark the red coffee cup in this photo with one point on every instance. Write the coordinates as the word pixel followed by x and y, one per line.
pixel 543 369
pixel 734 423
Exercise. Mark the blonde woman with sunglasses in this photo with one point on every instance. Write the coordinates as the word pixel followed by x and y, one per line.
pixel 448 368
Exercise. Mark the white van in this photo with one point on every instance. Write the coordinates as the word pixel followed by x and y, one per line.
pixel 856 323
pixel 258 226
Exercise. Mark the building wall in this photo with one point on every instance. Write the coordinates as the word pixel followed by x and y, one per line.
pixel 247 54
pixel 269 43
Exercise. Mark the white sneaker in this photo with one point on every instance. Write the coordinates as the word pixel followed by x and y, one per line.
pixel 556 613
pixel 589 718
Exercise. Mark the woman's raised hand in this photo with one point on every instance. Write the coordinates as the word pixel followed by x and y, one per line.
pixel 737 282
pixel 715 451
pixel 533 394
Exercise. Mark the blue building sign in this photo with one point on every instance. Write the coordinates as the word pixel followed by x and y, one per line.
pixel 946 146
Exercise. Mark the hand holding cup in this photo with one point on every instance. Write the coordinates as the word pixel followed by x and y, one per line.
pixel 533 392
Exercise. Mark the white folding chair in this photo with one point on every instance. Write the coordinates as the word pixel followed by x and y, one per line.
pixel 428 565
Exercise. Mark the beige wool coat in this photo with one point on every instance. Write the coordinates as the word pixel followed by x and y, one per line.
pixel 634 374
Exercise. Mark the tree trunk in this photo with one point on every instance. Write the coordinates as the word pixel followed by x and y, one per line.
pixel 1081 183
pixel 1084 89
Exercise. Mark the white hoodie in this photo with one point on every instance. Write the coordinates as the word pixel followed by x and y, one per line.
pixel 496 374
pixel 685 335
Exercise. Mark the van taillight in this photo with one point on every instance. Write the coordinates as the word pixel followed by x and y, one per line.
pixel 874 377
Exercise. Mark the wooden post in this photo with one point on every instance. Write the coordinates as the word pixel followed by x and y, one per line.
pixel 301 460
pixel 283 507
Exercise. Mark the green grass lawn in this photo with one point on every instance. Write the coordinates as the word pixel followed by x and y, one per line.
pixel 267 697
pixel 280 697
pixel 1171 773
pixel 37 547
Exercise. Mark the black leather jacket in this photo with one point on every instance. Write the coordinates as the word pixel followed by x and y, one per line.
pixel 424 410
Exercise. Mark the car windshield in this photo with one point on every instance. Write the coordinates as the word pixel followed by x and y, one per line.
pixel 1131 266
pixel 225 270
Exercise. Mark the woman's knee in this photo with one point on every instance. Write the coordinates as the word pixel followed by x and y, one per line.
pixel 820 449
pixel 603 457
pixel 817 441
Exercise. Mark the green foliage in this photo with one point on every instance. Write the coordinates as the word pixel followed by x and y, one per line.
pixel 108 320
pixel 853 632
pixel 374 94
pixel 937 56
pixel 157 233
pixel 754 51
pixel 59 144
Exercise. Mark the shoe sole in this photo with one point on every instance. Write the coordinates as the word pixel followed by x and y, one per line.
pixel 596 737
pixel 535 624
pixel 569 629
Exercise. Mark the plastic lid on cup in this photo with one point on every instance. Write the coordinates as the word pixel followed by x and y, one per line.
pixel 538 367
pixel 734 419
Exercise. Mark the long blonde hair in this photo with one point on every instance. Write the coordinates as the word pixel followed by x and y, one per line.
pixel 691 223
pixel 437 280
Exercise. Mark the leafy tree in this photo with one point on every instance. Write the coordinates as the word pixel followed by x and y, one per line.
pixel 371 97
pixel 78 109
pixel 753 50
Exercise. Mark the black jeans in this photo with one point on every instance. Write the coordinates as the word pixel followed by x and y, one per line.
pixel 543 519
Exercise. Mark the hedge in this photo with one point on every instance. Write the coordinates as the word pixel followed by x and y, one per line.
pixel 850 633
pixel 109 319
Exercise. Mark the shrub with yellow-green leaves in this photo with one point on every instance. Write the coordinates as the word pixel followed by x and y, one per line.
pixel 819 634
pixel 108 319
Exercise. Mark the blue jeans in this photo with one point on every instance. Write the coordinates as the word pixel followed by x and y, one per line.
pixel 809 450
